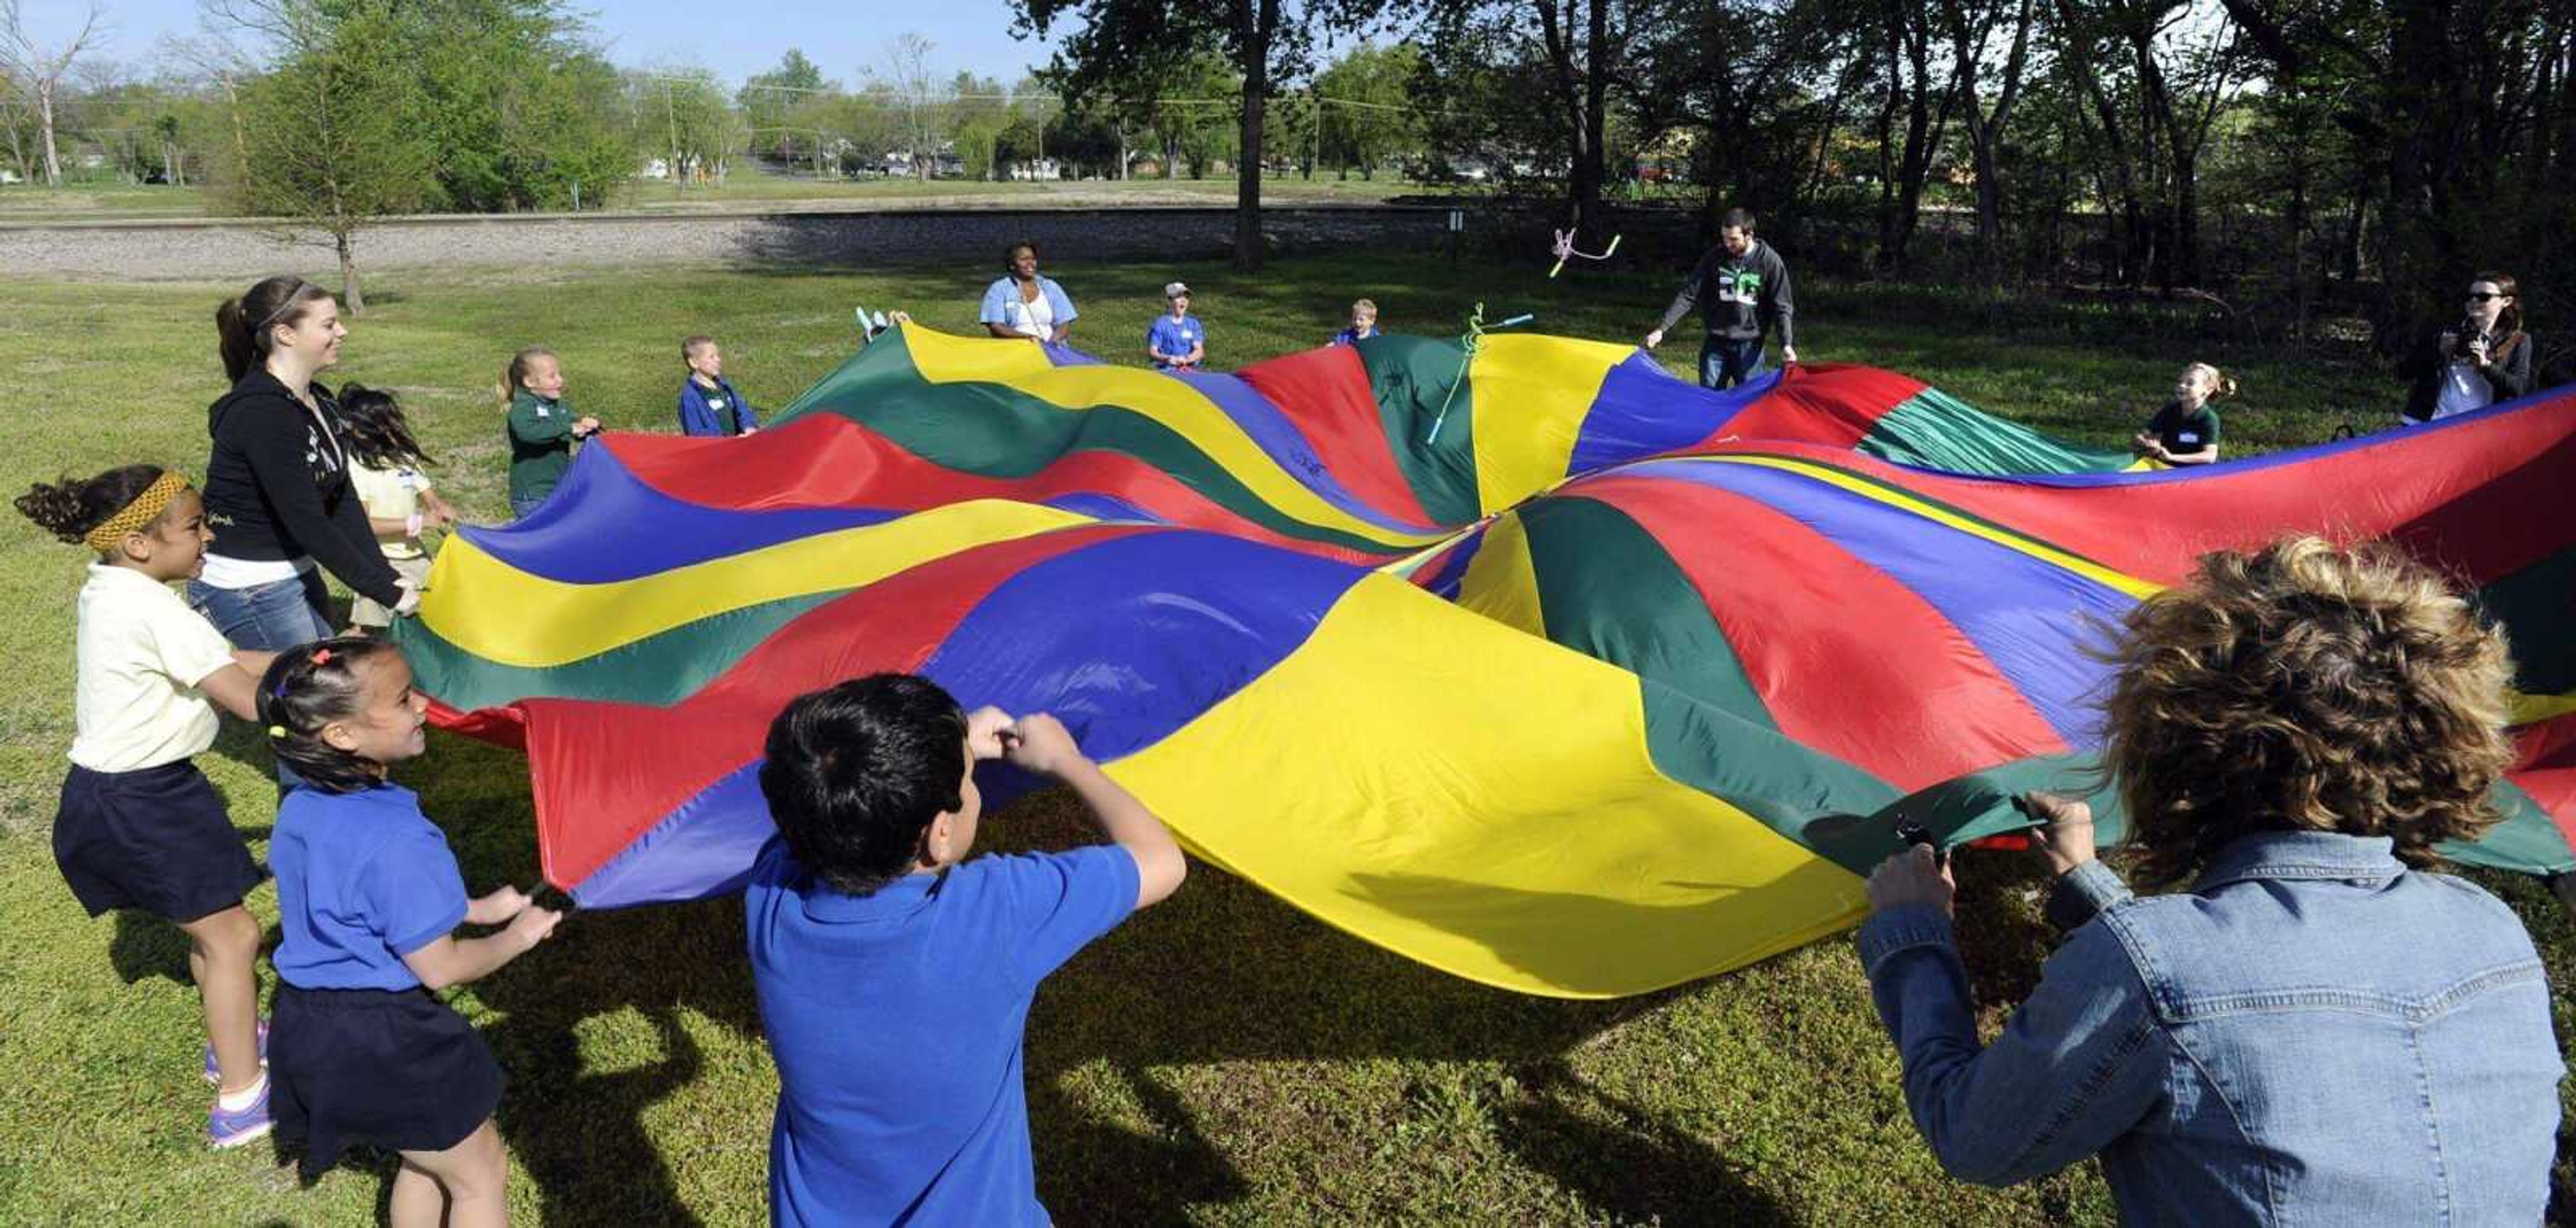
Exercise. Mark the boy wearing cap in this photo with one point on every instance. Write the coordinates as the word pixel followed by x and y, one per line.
pixel 1177 341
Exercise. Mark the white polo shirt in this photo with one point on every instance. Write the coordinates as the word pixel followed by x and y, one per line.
pixel 141 653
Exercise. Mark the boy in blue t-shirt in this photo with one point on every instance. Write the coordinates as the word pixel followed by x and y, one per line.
pixel 894 982
pixel 1363 324
pixel 1176 342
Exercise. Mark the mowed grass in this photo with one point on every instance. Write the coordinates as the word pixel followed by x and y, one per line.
pixel 753 186
pixel 1221 1059
pixel 76 201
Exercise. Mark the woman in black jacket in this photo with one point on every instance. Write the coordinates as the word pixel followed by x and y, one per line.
pixel 2483 359
pixel 277 486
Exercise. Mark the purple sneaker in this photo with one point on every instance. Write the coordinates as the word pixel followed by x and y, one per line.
pixel 216 1077
pixel 236 1127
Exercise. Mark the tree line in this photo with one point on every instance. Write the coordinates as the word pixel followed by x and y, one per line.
pixel 2289 158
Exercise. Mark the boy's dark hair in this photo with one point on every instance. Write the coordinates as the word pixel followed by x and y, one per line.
pixel 69 509
pixel 1738 218
pixel 856 773
pixel 376 429
pixel 689 348
pixel 305 689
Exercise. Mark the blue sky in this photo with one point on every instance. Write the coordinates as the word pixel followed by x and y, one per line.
pixel 734 39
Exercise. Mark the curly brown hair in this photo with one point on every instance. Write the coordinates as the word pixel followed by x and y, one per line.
pixel 2306 687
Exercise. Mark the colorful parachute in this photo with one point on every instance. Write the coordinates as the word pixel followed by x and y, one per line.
pixel 1614 684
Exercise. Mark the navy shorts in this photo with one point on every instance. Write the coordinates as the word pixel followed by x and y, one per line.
pixel 155 839
pixel 396 1069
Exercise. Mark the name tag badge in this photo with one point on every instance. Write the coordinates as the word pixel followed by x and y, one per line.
pixel 716 403
pixel 2188 437
pixel 541 412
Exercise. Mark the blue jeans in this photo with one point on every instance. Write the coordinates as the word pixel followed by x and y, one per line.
pixel 271 617
pixel 1725 364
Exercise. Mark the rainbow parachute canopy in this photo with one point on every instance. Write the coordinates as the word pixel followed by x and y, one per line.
pixel 1617 684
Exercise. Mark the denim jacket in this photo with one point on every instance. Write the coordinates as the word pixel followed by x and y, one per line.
pixel 2314 1034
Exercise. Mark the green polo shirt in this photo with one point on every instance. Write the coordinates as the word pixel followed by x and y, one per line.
pixel 540 444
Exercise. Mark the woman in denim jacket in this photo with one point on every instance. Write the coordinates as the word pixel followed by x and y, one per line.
pixel 2319 1030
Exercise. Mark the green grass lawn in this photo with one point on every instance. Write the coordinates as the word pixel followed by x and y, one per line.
pixel 23 202
pixel 1222 1059
pixel 755 187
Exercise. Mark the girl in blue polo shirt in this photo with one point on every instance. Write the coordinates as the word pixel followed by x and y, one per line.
pixel 360 1049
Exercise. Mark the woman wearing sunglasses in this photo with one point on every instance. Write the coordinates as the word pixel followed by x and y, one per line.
pixel 2484 358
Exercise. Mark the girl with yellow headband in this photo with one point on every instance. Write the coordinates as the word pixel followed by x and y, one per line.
pixel 139 827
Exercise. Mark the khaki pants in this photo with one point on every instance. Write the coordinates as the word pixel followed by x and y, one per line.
pixel 366 612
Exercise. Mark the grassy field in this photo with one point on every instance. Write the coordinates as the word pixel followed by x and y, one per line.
pixel 1222 1059
pixel 754 187
pixel 22 202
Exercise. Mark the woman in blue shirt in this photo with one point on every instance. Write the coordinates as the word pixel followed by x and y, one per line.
pixel 2318 1029
pixel 1020 303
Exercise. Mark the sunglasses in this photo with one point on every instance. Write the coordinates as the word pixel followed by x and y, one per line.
pixel 2480 296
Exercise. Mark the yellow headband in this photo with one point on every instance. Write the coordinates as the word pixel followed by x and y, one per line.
pixel 146 508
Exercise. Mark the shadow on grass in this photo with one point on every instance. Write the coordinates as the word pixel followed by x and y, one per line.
pixel 1623 1162
pixel 581 1132
pixel 1223 973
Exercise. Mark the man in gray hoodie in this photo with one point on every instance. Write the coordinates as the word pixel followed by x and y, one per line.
pixel 1745 287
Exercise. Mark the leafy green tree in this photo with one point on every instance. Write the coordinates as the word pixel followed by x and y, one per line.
pixel 1117 45
pixel 338 133
pixel 685 118
pixel 1369 114
pixel 522 108
pixel 774 102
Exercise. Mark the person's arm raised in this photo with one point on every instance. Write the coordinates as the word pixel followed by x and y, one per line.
pixel 1039 743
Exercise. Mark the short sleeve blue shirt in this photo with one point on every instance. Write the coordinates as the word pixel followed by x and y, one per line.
pixel 363 879
pixel 1353 336
pixel 895 1019
pixel 1002 304
pixel 1174 337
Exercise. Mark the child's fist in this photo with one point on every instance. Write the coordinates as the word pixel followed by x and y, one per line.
pixel 534 925
pixel 1042 746
pixel 988 732
pixel 501 905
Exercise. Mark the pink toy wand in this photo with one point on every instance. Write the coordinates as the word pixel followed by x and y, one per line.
pixel 1564 251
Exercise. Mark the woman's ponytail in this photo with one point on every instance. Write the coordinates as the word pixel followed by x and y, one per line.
pixel 242 324
pixel 233 340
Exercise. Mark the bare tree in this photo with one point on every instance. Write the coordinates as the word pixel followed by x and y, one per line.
pixel 905 72
pixel 41 71
pixel 223 62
